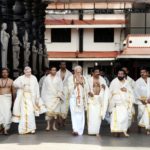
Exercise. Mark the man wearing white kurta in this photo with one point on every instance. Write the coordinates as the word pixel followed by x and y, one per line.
pixel 97 102
pixel 121 103
pixel 129 79
pixel 52 95
pixel 142 95
pixel 78 92
pixel 6 92
pixel 27 103
pixel 64 74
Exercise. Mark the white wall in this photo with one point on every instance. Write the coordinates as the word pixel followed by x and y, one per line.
pixel 61 16
pixel 91 46
pixel 73 46
pixel 105 16
pixel 139 41
pixel 88 41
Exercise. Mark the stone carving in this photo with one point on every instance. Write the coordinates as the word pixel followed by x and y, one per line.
pixel 4 44
pixel 16 50
pixel 26 53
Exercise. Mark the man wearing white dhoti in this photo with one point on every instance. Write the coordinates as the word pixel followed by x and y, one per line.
pixel 97 102
pixel 78 92
pixel 120 104
pixel 64 74
pixel 142 95
pixel 6 93
pixel 27 103
pixel 52 95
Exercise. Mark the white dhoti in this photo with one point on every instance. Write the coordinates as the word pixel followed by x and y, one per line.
pixel 5 110
pixel 26 119
pixel 144 118
pixel 53 108
pixel 64 105
pixel 119 119
pixel 77 116
pixel 94 115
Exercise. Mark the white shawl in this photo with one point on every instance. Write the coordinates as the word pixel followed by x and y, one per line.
pixel 34 89
pixel 67 75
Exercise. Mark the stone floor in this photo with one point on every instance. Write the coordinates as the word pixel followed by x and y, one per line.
pixel 63 140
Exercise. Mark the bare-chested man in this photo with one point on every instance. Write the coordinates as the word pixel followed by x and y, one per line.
pixel 6 91
pixel 64 74
pixel 97 102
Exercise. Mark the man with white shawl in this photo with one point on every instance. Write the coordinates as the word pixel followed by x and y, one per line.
pixel 78 92
pixel 52 95
pixel 6 94
pixel 127 77
pixel 120 104
pixel 97 102
pixel 27 104
pixel 64 74
pixel 142 95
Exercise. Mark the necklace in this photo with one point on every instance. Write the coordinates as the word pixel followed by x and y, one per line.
pixel 4 84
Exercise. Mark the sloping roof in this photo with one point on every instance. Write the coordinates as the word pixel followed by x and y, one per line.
pixel 92 54
pixel 93 0
pixel 82 22
pixel 137 1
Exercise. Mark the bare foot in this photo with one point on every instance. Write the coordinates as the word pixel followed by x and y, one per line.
pixel 5 132
pixel 47 128
pixel 75 133
pixel 54 128
pixel 126 134
pixel 148 133
pixel 33 132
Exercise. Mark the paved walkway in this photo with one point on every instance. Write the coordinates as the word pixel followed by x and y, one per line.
pixel 63 140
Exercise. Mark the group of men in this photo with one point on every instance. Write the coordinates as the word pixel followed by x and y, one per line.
pixel 61 91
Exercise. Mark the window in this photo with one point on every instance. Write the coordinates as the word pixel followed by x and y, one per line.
pixel 60 35
pixel 104 35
